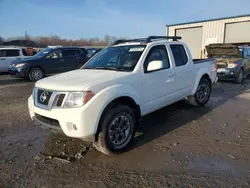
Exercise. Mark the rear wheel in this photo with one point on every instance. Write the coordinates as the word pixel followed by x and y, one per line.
pixel 35 74
pixel 239 78
pixel 117 129
pixel 202 94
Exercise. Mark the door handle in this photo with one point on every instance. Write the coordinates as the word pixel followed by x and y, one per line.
pixel 2 58
pixel 189 70
pixel 61 59
pixel 18 58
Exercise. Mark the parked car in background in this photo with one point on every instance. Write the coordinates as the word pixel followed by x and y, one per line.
pixel 233 62
pixel 104 101
pixel 9 54
pixel 49 61
pixel 93 51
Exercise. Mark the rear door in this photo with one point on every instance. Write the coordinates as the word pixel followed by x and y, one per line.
pixel 248 61
pixel 184 72
pixel 6 57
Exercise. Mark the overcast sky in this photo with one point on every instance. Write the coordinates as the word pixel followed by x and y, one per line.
pixel 94 18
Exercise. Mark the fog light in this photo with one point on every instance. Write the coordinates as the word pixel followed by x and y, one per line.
pixel 74 127
pixel 231 73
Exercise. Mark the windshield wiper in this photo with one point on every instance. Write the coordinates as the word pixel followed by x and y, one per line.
pixel 108 68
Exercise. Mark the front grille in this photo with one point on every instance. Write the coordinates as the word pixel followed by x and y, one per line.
pixel 220 74
pixel 60 100
pixel 43 96
pixel 222 65
pixel 47 120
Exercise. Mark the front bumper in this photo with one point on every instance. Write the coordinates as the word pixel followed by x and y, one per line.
pixel 227 74
pixel 17 72
pixel 74 122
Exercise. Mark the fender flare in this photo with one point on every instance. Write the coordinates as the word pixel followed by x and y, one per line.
pixel 198 77
pixel 109 94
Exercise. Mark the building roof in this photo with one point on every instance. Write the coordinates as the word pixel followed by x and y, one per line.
pixel 208 20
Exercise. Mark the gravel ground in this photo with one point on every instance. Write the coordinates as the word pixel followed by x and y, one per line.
pixel 178 146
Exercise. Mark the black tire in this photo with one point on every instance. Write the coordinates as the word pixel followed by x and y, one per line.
pixel 35 74
pixel 239 78
pixel 196 99
pixel 104 142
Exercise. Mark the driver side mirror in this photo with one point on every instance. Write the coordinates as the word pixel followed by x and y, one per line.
pixel 155 65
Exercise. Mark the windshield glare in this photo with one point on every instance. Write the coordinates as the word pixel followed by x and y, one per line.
pixel 122 58
pixel 43 53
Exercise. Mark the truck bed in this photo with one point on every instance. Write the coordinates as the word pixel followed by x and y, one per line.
pixel 196 61
pixel 209 63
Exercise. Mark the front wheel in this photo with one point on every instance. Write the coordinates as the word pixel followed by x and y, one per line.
pixel 117 129
pixel 202 94
pixel 35 74
pixel 239 78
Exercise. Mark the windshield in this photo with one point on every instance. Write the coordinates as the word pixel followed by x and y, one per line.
pixel 120 58
pixel 43 53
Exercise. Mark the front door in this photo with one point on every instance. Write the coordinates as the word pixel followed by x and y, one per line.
pixel 157 85
pixel 54 62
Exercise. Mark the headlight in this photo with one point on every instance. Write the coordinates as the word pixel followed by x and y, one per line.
pixel 19 65
pixel 77 99
pixel 232 65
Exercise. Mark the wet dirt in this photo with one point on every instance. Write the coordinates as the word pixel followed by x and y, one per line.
pixel 178 146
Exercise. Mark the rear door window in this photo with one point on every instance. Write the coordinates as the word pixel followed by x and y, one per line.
pixel 180 55
pixel 12 53
pixel 68 53
pixel 78 52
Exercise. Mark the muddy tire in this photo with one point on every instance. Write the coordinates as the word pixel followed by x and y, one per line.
pixel 35 74
pixel 239 78
pixel 202 94
pixel 116 131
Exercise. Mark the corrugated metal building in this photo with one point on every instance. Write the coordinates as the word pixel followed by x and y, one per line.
pixel 201 33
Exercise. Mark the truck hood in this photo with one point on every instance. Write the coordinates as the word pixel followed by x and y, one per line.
pixel 223 50
pixel 24 60
pixel 78 80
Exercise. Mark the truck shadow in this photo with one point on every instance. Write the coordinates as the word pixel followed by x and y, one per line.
pixel 163 121
pixel 154 125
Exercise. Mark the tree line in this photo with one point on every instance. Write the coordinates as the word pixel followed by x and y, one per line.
pixel 44 41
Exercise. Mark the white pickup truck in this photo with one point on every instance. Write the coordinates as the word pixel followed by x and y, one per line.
pixel 104 100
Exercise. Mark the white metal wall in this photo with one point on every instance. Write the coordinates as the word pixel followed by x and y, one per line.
pixel 213 31
pixel 237 32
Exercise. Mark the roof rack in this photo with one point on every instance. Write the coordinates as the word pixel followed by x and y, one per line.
pixel 148 39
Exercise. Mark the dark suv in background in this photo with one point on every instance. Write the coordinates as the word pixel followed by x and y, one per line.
pixel 233 61
pixel 49 61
